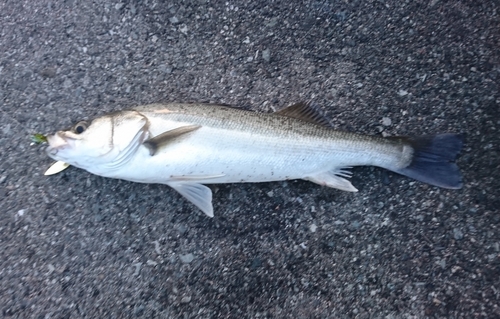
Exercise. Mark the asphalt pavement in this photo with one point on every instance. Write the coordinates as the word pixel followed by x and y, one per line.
pixel 75 245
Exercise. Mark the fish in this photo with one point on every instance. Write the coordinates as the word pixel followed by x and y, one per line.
pixel 187 146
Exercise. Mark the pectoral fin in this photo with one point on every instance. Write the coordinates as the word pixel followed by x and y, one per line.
pixel 156 142
pixel 333 179
pixel 198 194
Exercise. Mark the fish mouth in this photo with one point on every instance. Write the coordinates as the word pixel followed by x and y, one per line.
pixel 56 142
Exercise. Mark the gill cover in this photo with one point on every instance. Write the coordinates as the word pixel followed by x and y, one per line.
pixel 104 144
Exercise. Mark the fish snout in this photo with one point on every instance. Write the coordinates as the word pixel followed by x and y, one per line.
pixel 56 142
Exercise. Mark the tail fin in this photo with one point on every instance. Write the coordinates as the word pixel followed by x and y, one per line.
pixel 433 160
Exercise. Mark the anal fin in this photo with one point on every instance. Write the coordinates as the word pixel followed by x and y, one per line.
pixel 333 179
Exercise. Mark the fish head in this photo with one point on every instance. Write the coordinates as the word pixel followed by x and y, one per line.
pixel 104 144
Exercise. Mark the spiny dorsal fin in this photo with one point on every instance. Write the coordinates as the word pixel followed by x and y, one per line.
pixel 306 112
pixel 154 143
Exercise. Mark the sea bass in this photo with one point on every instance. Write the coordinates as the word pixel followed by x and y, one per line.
pixel 188 145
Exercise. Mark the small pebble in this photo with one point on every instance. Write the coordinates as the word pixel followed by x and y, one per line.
pixel 157 247
pixel 272 23
pixel 67 83
pixel 458 234
pixel 355 225
pixel 182 229
pixel 402 93
pixel 151 262
pixel 266 55
pixel 183 29
pixel 137 268
pixel 186 299
pixel 139 311
pixel 51 268
pixel 48 72
pixel 256 263
pixel 386 121
pixel 441 263
pixel 186 258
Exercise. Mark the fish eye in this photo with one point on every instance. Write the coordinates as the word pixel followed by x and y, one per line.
pixel 80 127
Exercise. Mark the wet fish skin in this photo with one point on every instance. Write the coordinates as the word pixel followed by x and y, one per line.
pixel 188 145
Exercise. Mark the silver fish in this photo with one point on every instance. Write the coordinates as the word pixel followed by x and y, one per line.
pixel 187 145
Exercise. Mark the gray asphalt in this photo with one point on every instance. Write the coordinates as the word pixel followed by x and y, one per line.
pixel 76 245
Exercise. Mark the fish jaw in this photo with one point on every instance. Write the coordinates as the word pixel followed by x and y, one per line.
pixel 56 142
pixel 59 144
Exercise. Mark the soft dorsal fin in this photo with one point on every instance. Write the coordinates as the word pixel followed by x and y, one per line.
pixel 305 112
pixel 154 143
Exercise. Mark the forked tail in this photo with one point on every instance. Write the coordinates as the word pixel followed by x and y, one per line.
pixel 433 160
